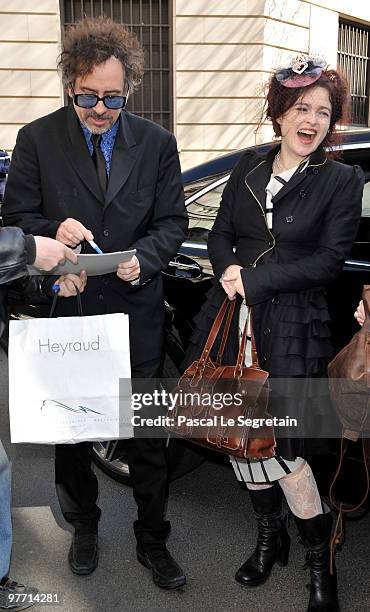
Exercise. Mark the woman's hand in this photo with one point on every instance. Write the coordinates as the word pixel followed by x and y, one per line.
pixel 69 282
pixel 231 282
pixel 359 313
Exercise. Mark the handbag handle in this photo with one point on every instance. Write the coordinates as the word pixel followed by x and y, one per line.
pixel 225 335
pixel 214 331
pixel 337 537
pixel 79 304
pixel 229 307
pixel 243 343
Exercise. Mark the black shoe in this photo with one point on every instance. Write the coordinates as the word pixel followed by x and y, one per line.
pixel 315 533
pixel 15 596
pixel 273 541
pixel 166 573
pixel 84 553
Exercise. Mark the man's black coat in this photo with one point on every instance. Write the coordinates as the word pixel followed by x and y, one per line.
pixel 52 177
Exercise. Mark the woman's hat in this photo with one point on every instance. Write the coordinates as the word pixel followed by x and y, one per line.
pixel 303 70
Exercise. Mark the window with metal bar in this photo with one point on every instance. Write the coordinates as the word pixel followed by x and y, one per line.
pixel 353 60
pixel 151 21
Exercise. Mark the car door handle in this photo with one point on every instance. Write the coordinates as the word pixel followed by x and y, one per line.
pixel 182 266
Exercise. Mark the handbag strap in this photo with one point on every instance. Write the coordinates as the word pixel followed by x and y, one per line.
pixel 365 458
pixel 214 332
pixel 79 304
pixel 337 538
pixel 243 343
pixel 229 308
pixel 225 335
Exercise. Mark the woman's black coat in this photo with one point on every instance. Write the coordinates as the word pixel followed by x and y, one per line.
pixel 285 270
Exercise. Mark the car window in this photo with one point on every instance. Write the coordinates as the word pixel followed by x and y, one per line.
pixel 202 184
pixel 202 212
pixel 366 199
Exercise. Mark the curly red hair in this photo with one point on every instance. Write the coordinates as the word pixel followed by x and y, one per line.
pixel 280 99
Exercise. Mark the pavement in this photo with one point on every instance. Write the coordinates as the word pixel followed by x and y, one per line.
pixel 213 532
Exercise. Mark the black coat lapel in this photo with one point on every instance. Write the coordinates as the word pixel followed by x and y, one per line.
pixel 125 155
pixel 317 159
pixel 79 156
pixel 257 179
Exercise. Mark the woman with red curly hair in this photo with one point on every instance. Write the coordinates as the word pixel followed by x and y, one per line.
pixel 286 222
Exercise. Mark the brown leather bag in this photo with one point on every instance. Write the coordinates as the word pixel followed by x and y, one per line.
pixel 349 380
pixel 349 383
pixel 217 403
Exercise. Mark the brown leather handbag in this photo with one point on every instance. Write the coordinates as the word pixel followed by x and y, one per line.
pixel 220 406
pixel 349 383
pixel 349 380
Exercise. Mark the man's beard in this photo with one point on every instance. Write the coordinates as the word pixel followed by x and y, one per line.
pixel 96 129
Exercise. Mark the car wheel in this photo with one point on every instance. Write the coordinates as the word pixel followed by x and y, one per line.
pixel 111 457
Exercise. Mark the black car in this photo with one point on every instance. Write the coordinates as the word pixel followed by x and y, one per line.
pixel 189 276
pixel 4 169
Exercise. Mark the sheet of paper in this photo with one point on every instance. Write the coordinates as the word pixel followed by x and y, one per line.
pixel 94 264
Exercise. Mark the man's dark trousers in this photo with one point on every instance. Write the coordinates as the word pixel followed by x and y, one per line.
pixel 77 484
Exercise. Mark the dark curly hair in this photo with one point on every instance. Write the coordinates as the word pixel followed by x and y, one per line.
pixel 280 99
pixel 91 42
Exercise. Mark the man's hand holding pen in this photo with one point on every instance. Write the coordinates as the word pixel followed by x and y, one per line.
pixel 71 232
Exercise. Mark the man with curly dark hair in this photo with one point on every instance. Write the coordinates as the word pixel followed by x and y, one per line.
pixel 93 171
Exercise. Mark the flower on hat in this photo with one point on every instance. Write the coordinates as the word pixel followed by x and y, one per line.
pixel 302 70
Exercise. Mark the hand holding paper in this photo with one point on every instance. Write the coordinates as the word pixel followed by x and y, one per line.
pixel 49 253
pixel 129 270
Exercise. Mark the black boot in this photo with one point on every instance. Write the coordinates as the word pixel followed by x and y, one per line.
pixel 315 533
pixel 273 541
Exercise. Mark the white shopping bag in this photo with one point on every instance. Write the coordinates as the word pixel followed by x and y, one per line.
pixel 64 379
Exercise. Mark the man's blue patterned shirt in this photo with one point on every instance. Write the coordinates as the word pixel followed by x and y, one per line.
pixel 106 143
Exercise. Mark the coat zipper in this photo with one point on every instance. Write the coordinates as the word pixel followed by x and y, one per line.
pixel 265 219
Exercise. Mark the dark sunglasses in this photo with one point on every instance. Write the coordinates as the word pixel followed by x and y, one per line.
pixel 91 100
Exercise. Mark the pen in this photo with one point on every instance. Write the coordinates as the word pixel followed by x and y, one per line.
pixel 95 247
pixel 56 288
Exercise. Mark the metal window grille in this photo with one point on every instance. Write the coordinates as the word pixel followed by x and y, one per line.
pixel 151 21
pixel 353 60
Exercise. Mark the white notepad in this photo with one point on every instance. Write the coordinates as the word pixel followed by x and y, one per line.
pixel 94 264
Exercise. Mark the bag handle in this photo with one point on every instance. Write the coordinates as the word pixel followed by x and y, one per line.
pixel 79 304
pixel 228 307
pixel 225 335
pixel 343 448
pixel 338 533
pixel 215 330
pixel 243 343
